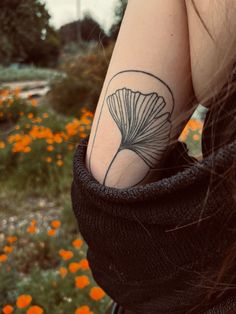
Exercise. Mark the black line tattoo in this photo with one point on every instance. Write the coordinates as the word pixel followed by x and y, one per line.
pixel 143 120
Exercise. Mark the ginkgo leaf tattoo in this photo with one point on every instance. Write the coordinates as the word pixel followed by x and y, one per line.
pixel 142 118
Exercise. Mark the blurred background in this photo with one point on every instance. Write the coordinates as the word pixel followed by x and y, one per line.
pixel 54 55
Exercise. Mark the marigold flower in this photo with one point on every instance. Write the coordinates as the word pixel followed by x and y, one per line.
pixel 30 115
pixel 17 91
pixel 60 163
pixel 50 148
pixel 51 232
pixel 70 146
pixel 56 224
pixel 77 243
pixel 8 309
pixel 49 141
pixel 74 267
pixel 17 127
pixel 49 159
pixel 23 301
pixel 11 239
pixel 96 293
pixel 83 135
pixel 27 149
pixel 83 310
pixel 45 115
pixel 2 145
pixel 84 264
pixel 196 137
pixel 3 258
pixel 63 271
pixel 8 249
pixel 81 281
pixel 35 310
pixel 66 255
pixel 33 222
pixel 34 102
pixel 31 229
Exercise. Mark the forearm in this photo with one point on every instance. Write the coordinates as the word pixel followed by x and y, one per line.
pixel 147 88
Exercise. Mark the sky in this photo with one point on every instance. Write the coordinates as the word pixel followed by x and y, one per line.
pixel 64 11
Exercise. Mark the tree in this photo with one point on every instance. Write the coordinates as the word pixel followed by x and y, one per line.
pixel 25 33
pixel 90 30
pixel 119 13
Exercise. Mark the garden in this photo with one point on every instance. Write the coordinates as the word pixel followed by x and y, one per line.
pixel 43 263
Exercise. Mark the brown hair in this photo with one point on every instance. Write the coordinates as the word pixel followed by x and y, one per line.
pixel 222 113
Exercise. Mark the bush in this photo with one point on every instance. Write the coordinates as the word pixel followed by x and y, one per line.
pixel 39 146
pixel 47 266
pixel 27 73
pixel 82 85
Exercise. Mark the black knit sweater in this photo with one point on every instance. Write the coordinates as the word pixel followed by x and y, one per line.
pixel 149 245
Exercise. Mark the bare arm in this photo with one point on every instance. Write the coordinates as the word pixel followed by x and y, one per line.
pixel 147 87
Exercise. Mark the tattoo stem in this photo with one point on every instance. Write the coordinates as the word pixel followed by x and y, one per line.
pixel 113 159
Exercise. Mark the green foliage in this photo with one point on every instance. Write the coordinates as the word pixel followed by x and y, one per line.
pixel 82 85
pixel 27 73
pixel 36 144
pixel 25 33
pixel 33 268
pixel 85 30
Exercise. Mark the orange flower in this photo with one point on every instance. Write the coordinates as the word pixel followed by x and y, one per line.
pixel 2 145
pixel 83 310
pixel 81 281
pixel 63 271
pixel 34 102
pixel 8 249
pixel 17 91
pixel 66 254
pixel 51 232
pixel 23 301
pixel 49 159
pixel 74 267
pixel 3 258
pixel 30 115
pixel 196 137
pixel 33 222
pixel 83 135
pixel 45 115
pixel 31 229
pixel 77 243
pixel 35 310
pixel 56 224
pixel 96 293
pixel 50 148
pixel 8 309
pixel 60 163
pixel 49 141
pixel 11 239
pixel 27 149
pixel 84 264
pixel 70 146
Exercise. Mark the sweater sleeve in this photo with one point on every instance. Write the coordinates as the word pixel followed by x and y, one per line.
pixel 148 245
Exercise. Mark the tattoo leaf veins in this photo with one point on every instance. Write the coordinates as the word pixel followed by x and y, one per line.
pixel 144 124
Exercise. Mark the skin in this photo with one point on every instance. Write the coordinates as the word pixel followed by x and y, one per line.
pixel 162 53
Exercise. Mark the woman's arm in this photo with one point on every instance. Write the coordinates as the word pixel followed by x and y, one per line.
pixel 147 87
